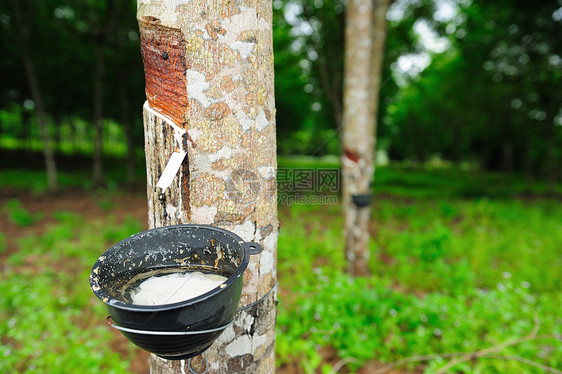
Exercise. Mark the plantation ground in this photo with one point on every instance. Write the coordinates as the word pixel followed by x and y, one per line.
pixel 462 262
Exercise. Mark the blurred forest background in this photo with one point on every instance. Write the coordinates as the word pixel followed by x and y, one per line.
pixel 468 82
pixel 466 231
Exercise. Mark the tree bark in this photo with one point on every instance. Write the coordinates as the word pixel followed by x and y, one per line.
pixel 101 34
pixel 26 130
pixel 209 87
pixel 97 161
pixel 73 135
pixel 365 39
pixel 552 164
pixel 36 95
pixel 126 117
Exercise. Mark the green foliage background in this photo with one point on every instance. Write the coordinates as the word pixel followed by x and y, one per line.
pixel 491 96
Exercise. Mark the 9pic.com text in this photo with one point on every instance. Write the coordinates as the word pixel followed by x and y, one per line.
pixel 292 199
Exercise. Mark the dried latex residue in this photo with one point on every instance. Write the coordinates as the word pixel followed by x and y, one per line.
pixel 173 288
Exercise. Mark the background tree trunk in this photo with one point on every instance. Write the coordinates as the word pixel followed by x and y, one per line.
pixel 97 160
pixel 209 87
pixel 365 38
pixel 101 34
pixel 126 117
pixel 25 138
pixel 48 153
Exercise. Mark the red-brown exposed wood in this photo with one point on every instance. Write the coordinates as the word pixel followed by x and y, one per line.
pixel 163 54
pixel 353 156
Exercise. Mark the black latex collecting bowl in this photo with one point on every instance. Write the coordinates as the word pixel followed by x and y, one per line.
pixel 164 329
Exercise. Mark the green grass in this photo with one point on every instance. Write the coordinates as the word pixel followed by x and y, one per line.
pixel 18 214
pixel 49 318
pixel 115 148
pixel 432 244
pixel 456 268
pixel 456 183
pixel 35 181
pixel 461 262
pixel 308 162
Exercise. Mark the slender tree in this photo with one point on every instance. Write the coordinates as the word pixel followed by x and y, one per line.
pixel 327 41
pixel 125 115
pixel 365 35
pixel 209 87
pixel 23 29
pixel 100 33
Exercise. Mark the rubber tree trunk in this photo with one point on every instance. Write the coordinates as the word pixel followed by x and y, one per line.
pixel 23 34
pixel 209 87
pixel 365 36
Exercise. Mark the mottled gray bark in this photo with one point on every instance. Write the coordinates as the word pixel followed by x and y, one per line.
pixel 365 39
pixel 209 87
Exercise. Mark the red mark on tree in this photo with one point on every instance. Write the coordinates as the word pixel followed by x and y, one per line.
pixel 353 156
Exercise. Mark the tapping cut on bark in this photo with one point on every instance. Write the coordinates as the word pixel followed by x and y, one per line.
pixel 163 55
pixel 353 156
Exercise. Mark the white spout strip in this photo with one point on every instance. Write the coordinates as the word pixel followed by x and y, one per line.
pixel 174 163
pixel 178 131
pixel 170 170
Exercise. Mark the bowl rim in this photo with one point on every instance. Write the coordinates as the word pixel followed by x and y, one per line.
pixel 114 303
